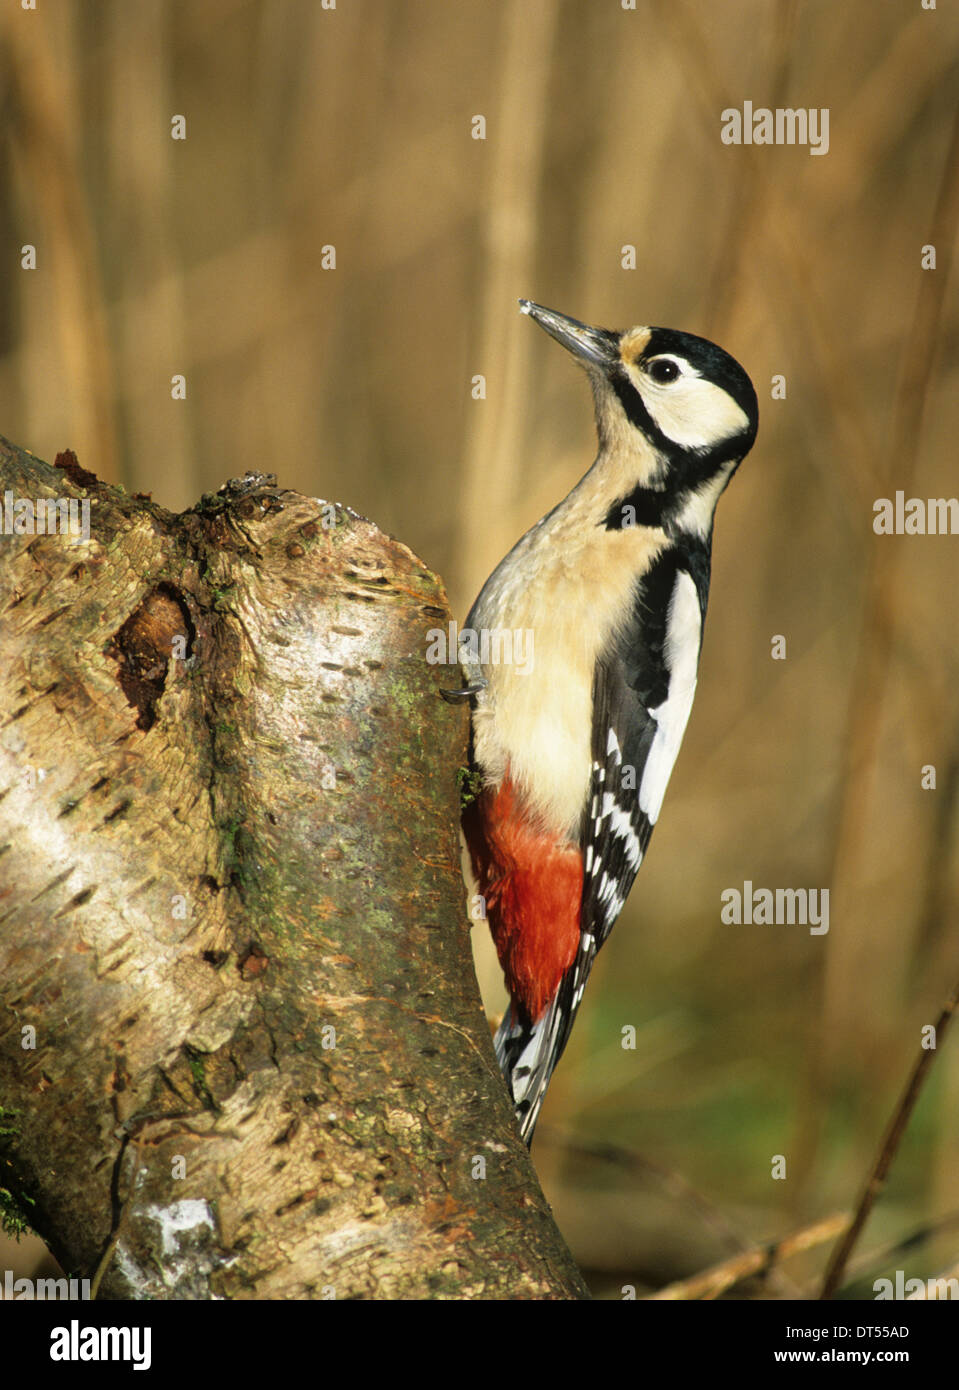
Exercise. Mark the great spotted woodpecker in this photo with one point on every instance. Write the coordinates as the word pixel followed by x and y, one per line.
pixel 610 589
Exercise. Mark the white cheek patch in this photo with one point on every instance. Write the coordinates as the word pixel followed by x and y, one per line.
pixel 681 654
pixel 692 411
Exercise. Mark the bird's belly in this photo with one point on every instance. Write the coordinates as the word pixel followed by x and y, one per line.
pixel 534 720
pixel 540 737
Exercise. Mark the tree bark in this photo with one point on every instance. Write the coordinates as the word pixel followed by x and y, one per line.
pixel 242 1051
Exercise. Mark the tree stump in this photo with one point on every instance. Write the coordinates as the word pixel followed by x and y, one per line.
pixel 242 1050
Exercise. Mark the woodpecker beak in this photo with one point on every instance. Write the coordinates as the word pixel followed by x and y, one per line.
pixel 595 346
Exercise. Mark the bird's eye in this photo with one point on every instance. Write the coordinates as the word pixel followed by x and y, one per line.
pixel 662 369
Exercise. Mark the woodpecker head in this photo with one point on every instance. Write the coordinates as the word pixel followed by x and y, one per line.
pixel 679 404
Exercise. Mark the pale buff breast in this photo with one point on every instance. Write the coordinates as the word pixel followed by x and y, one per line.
pixel 543 714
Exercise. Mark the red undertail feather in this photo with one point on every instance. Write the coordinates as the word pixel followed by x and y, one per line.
pixel 533 885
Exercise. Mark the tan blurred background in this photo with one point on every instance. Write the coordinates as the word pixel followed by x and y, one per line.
pixel 309 127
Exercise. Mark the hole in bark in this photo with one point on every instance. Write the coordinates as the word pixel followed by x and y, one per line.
pixel 144 646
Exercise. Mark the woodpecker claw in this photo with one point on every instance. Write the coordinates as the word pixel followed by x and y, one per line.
pixel 456 697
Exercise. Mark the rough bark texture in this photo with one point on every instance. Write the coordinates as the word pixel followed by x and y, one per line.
pixel 242 1052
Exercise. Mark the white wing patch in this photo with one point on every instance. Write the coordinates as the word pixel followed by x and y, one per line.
pixel 681 655
pixel 619 823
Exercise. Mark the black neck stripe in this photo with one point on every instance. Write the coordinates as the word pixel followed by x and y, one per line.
pixel 687 466
pixel 644 506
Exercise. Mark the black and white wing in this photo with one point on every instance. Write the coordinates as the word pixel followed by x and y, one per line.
pixel 642 696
